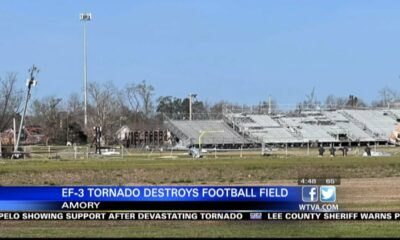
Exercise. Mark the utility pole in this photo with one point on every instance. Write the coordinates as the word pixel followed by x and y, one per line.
pixel 191 97
pixel 15 132
pixel 269 105
pixel 31 82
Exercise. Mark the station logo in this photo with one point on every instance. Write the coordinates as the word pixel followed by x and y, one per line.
pixel 310 194
pixel 328 193
pixel 255 216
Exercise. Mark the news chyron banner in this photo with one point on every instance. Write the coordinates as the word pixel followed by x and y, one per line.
pixel 154 198
pixel 175 203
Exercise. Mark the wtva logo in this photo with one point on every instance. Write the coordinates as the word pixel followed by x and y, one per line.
pixel 328 194
pixel 256 216
pixel 310 194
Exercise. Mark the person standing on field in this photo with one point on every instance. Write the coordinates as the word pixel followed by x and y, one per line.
pixel 321 151
pixel 332 150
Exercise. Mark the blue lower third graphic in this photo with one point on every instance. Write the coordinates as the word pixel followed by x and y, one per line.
pixel 139 198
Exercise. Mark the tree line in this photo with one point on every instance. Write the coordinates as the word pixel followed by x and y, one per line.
pixel 135 105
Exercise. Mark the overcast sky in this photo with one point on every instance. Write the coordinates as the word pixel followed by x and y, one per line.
pixel 241 51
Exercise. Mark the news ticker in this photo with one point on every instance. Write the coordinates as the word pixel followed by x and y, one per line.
pixel 173 198
pixel 201 216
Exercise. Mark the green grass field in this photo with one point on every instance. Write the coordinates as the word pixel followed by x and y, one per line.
pixel 367 184
pixel 184 229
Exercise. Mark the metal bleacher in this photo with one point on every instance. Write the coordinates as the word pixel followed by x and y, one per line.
pixel 395 113
pixel 192 129
pixel 262 128
pixel 310 130
pixel 264 121
pixel 323 127
pixel 376 121
pixel 354 132
pixel 275 135
pixel 331 126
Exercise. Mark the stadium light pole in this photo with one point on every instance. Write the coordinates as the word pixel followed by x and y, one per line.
pixel 191 97
pixel 85 17
pixel 269 105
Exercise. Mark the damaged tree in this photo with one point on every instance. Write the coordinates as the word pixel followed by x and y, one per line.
pixel 10 100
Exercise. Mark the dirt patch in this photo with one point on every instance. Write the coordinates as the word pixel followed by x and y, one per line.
pixel 370 193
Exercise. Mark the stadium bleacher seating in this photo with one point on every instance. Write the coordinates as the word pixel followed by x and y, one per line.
pixel 338 126
pixel 218 132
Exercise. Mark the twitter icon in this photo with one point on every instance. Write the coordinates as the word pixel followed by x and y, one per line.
pixel 327 194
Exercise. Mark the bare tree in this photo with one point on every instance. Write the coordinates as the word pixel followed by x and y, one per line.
pixel 333 102
pixel 46 113
pixel 74 122
pixel 311 103
pixel 130 103
pixel 75 104
pixel 132 96
pixel 10 100
pixel 388 96
pixel 146 92
pixel 105 109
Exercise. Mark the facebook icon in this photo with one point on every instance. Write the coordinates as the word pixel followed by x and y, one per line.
pixel 310 194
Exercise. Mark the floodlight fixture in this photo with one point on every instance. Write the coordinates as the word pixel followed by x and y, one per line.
pixel 85 16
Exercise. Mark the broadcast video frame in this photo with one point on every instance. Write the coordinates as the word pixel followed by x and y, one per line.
pixel 193 119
